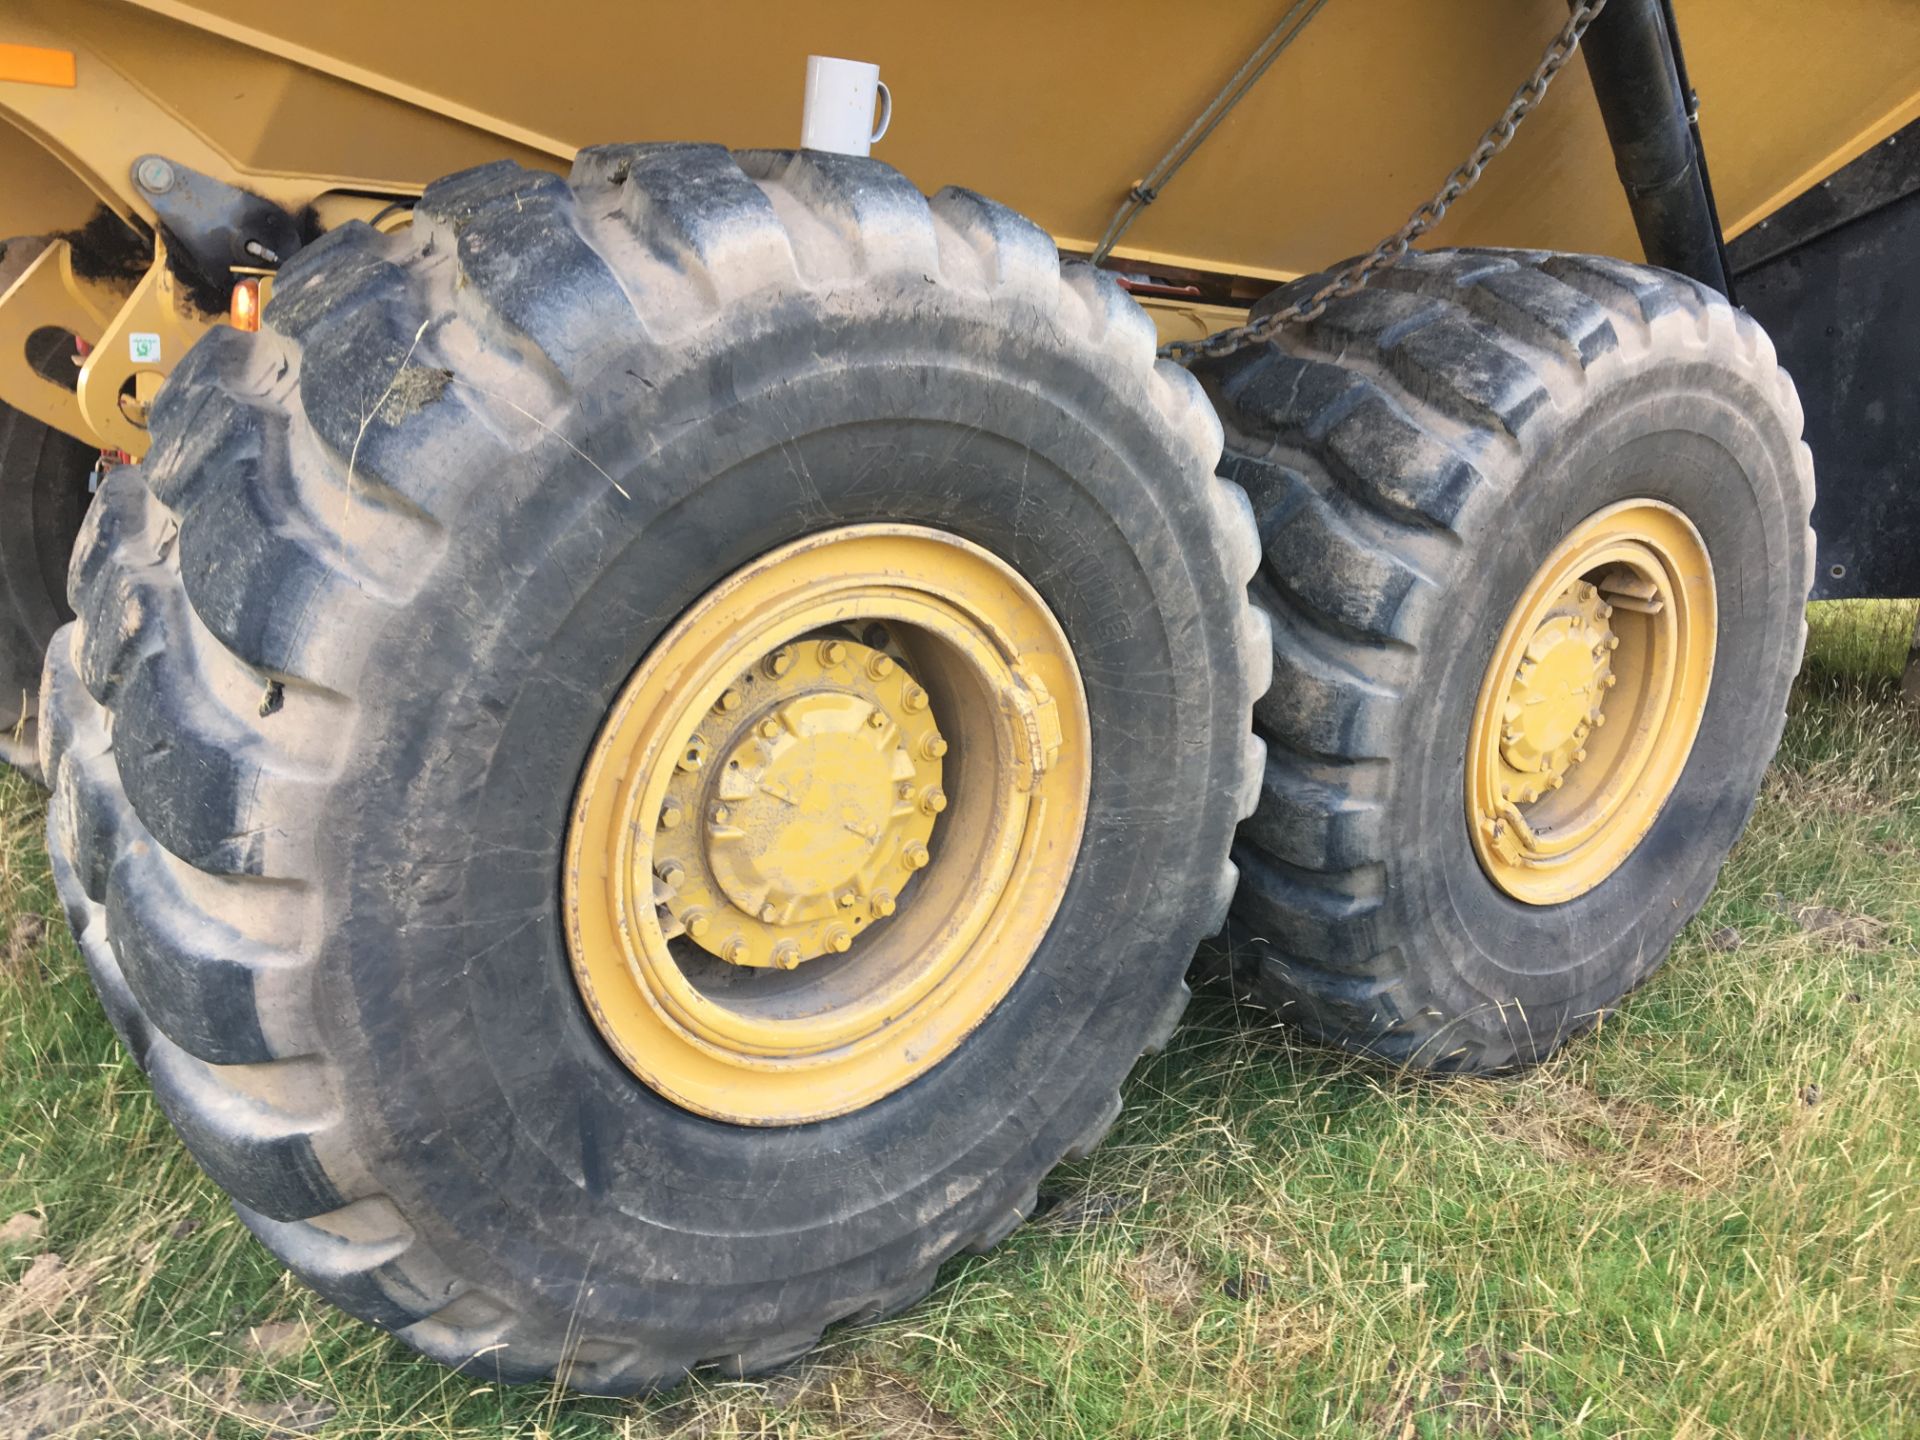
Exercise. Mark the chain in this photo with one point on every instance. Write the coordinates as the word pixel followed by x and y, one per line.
pixel 1391 251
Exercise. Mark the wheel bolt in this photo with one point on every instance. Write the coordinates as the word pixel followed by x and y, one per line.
pixel 729 700
pixel 1578 756
pixel 769 728
pixel 880 666
pixel 933 747
pixel 905 790
pixel 915 699
pixel 786 955
pixel 694 755
pixel 915 856
pixel 839 939
pixel 721 814
pixel 671 874
pixel 697 923
pixel 1599 720
pixel 882 903
pixel 1558 781
pixel 934 801
pixel 1613 642
pixel 832 653
pixel 737 951
pixel 671 814
pixel 779 662
pixel 877 720
pixel 848 899
pixel 768 914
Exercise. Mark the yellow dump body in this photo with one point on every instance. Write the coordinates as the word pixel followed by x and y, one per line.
pixel 1055 109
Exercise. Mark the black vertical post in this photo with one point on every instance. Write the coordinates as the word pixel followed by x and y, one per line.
pixel 1630 56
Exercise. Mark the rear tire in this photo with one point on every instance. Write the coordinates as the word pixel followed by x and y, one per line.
pixel 43 495
pixel 1413 455
pixel 347 636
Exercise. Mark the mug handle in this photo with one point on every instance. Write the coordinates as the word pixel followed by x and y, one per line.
pixel 886 112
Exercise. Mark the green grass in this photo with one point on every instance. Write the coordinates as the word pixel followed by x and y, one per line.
pixel 1702 1221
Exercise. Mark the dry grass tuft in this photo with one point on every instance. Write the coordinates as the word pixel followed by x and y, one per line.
pixel 1702 1221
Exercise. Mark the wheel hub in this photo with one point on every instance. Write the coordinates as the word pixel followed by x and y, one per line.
pixel 1558 690
pixel 785 895
pixel 817 813
pixel 1619 625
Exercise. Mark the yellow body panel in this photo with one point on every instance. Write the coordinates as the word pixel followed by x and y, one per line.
pixel 1053 109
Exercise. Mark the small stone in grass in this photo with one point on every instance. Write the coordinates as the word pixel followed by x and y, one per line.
pixel 1727 937
pixel 279 1338
pixel 1247 1282
pixel 1811 1094
pixel 21 1228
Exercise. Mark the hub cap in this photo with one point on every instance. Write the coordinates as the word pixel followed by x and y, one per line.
pixel 817 816
pixel 1591 705
pixel 826 824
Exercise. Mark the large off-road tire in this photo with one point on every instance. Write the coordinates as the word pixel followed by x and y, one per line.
pixel 1414 456
pixel 43 494
pixel 346 639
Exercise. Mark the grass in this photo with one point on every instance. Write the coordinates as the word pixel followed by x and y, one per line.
pixel 1702 1221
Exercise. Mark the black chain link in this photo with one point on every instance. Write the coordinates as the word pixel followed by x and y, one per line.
pixel 1390 251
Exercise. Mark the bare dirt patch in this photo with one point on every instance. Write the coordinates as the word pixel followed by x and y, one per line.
pixel 1165 1277
pixel 1631 1140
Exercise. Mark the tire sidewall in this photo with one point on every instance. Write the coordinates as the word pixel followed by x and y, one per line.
pixel 500 1122
pixel 1694 437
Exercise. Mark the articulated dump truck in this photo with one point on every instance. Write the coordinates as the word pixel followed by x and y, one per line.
pixel 641 734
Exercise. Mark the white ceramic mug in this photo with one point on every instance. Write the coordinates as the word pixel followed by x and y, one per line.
pixel 839 106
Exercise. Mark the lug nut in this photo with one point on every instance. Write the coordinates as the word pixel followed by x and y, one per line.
pixel 915 856
pixel 905 790
pixel 768 914
pixel 1558 781
pixel 880 666
pixel 832 653
pixel 877 720
pixel 1613 642
pixel 934 801
pixel 736 952
pixel 839 939
pixel 721 814
pixel 671 814
pixel 697 923
pixel 915 699
pixel 779 662
pixel 848 899
pixel 154 174
pixel 694 755
pixel 729 700
pixel 933 747
pixel 672 872
pixel 769 729
pixel 882 903
pixel 1578 756
pixel 786 955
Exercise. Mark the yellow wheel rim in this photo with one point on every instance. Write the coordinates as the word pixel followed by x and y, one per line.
pixel 1592 702
pixel 826 824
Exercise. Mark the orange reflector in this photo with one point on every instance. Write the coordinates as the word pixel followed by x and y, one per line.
pixel 33 65
pixel 244 310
